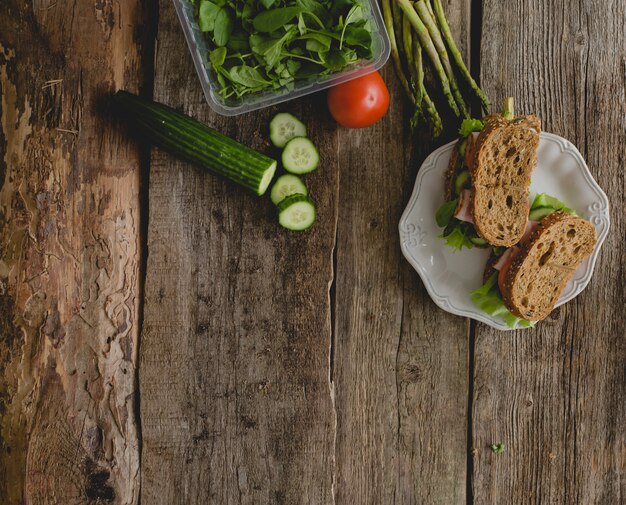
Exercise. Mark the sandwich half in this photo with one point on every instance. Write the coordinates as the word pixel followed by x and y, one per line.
pixel 523 283
pixel 488 179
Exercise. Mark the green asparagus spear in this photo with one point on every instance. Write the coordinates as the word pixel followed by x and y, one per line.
pixel 447 34
pixel 431 25
pixel 395 55
pixel 419 73
pixel 430 9
pixel 427 44
pixel 397 25
pixel 407 42
pixel 431 110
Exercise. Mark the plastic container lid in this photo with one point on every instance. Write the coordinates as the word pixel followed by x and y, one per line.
pixel 199 48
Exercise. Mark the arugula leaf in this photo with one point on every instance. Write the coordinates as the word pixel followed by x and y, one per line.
pixel 270 48
pixel 355 14
pixel 317 42
pixel 358 37
pixel 223 28
pixel 302 28
pixel 272 20
pixel 316 10
pixel 206 15
pixel 269 44
pixel 238 42
pixel 445 213
pixel 218 56
pixel 470 125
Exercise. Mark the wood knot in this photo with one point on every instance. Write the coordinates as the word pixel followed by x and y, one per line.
pixel 97 488
pixel 412 373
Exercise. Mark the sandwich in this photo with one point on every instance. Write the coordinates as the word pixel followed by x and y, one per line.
pixel 487 182
pixel 523 283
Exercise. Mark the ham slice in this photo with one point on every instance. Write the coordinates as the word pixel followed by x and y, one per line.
pixel 531 226
pixel 463 211
pixel 507 257
pixel 470 149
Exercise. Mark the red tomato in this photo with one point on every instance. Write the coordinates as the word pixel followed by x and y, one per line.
pixel 360 102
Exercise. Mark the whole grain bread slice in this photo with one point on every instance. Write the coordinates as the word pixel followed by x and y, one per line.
pixel 453 165
pixel 506 155
pixel 539 272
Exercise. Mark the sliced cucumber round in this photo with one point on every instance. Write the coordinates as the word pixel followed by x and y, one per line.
pixel 287 185
pixel 296 212
pixel 478 241
pixel 284 127
pixel 461 181
pixel 300 156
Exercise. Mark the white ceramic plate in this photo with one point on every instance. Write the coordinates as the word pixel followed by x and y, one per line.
pixel 450 276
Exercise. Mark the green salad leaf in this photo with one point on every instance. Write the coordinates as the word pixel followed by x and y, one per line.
pixel 273 19
pixel 444 213
pixel 470 125
pixel 489 299
pixel 271 44
pixel 458 236
pixel 543 205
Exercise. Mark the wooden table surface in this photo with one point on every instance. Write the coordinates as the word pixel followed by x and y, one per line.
pixel 164 341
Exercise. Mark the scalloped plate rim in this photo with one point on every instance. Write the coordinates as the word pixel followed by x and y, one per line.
pixel 430 163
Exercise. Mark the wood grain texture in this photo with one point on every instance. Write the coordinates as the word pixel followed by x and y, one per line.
pixel 69 254
pixel 556 395
pixel 400 363
pixel 236 403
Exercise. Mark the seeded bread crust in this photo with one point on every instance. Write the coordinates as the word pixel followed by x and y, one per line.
pixel 448 184
pixel 489 267
pixel 539 272
pixel 506 155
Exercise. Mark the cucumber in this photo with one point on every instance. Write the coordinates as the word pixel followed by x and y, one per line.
pixel 296 212
pixel 460 180
pixel 300 156
pixel 284 127
pixel 461 146
pixel 193 141
pixel 287 185
pixel 478 241
pixel 540 213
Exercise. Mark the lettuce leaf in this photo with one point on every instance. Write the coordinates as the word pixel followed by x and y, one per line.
pixel 488 299
pixel 445 212
pixel 470 125
pixel 457 234
pixel 458 237
pixel 543 205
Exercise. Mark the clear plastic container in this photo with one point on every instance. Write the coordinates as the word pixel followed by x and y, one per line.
pixel 200 53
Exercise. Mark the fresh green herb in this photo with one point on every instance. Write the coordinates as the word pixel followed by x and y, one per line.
pixel 497 448
pixel 444 213
pixel 271 44
pixel 543 200
pixel 471 125
pixel 489 299
pixel 459 234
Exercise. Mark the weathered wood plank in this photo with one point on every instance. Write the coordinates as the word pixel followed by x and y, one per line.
pixel 69 254
pixel 236 403
pixel 401 364
pixel 556 396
